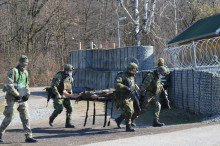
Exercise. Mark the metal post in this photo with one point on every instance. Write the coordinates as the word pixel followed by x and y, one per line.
pixel 119 19
pixel 194 54
pixel 118 35
pixel 91 45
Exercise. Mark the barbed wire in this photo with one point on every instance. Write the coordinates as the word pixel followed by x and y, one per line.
pixel 197 54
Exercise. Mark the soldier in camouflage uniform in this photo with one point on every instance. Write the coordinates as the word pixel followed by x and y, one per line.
pixel 62 88
pixel 215 60
pixel 150 93
pixel 17 79
pixel 166 79
pixel 124 101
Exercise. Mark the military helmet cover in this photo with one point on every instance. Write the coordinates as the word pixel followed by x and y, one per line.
pixel 23 58
pixel 132 66
pixel 68 67
pixel 160 62
pixel 162 70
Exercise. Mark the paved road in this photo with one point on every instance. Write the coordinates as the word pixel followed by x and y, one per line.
pixel 201 136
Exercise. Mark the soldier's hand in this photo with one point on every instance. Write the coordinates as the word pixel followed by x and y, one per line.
pixel 80 94
pixel 26 97
pixel 17 98
pixel 127 89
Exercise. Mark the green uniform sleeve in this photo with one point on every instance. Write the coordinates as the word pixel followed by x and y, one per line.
pixel 55 83
pixel 10 83
pixel 27 86
pixel 118 83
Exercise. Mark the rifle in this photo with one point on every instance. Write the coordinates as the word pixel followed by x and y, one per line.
pixel 164 95
pixel 49 94
pixel 134 94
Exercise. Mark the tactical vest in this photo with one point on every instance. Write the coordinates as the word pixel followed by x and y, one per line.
pixel 64 82
pixel 20 80
pixel 155 81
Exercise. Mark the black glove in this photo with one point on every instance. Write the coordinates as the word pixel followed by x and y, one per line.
pixel 127 89
pixel 26 97
pixel 17 98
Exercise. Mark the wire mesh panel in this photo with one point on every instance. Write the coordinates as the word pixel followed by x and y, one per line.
pixel 185 89
pixel 215 94
pixel 190 90
pixel 206 93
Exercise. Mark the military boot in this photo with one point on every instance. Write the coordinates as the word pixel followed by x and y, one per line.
pixel 30 140
pixel 156 123
pixel 51 122
pixel 129 128
pixel 118 121
pixel 1 139
pixel 133 123
pixel 69 124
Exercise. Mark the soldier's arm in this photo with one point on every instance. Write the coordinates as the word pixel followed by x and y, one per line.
pixel 10 83
pixel 146 83
pixel 27 87
pixel 55 83
pixel 119 86
pixel 68 95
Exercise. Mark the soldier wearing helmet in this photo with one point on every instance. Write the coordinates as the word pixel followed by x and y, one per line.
pixel 17 94
pixel 215 60
pixel 62 90
pixel 150 92
pixel 124 100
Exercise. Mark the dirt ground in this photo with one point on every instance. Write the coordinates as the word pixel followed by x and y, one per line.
pixel 58 135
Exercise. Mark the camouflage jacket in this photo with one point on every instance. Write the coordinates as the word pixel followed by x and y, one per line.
pixel 119 82
pixel 11 85
pixel 61 82
pixel 151 83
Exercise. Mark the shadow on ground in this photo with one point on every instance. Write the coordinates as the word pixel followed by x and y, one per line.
pixel 61 133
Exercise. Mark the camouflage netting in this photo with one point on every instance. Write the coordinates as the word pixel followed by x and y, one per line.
pixel 196 91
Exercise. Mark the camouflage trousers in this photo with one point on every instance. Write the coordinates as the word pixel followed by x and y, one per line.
pixel 9 112
pixel 58 105
pixel 147 99
pixel 127 110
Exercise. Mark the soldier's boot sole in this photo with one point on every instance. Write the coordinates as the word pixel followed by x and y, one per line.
pixel 129 129
pixel 51 123
pixel 118 122
pixel 69 126
pixel 158 124
pixel 30 140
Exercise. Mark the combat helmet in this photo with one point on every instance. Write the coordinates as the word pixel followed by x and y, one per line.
pixel 162 70
pixel 160 62
pixel 68 67
pixel 23 58
pixel 132 66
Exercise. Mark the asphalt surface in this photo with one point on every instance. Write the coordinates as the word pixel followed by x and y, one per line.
pixel 175 133
pixel 201 136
